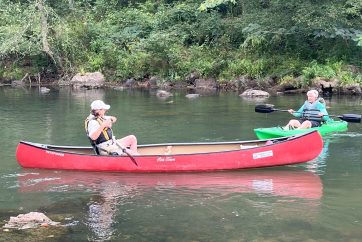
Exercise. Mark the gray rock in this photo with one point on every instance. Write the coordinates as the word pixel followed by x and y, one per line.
pixel 88 80
pixel 130 83
pixel 192 77
pixel 354 89
pixel 205 84
pixel 17 83
pixel 28 221
pixel 44 90
pixel 254 93
pixel 163 94
pixel 153 81
pixel 192 96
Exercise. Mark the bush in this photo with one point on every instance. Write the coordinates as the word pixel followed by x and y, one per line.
pixel 251 68
pixel 134 65
pixel 207 61
pixel 314 70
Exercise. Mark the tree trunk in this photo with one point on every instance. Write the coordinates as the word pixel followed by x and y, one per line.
pixel 44 34
pixel 71 4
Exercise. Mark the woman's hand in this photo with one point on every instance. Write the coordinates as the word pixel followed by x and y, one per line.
pixel 107 123
pixel 113 119
pixel 291 111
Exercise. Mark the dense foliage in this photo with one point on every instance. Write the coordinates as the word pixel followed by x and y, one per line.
pixel 223 39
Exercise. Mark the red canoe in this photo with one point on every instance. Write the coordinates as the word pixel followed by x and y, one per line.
pixel 174 157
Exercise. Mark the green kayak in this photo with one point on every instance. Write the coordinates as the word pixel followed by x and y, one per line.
pixel 275 132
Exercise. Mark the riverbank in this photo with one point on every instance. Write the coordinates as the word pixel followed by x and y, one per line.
pixel 195 84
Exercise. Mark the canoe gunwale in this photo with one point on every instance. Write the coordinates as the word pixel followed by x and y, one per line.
pixel 60 148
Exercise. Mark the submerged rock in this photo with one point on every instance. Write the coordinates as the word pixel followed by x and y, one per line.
pixel 44 90
pixel 29 221
pixel 163 94
pixel 192 96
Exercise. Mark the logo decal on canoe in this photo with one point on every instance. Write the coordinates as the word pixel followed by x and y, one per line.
pixel 54 153
pixel 166 159
pixel 263 154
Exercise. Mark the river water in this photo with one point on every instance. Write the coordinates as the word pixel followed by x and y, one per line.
pixel 317 201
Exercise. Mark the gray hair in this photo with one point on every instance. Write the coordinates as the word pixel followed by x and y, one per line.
pixel 313 92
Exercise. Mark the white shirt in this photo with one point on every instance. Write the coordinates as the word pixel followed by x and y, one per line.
pixel 93 125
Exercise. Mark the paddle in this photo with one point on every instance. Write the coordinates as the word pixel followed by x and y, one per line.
pixel 269 108
pixel 125 151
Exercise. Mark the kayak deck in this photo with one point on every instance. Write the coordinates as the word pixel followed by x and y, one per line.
pixel 275 132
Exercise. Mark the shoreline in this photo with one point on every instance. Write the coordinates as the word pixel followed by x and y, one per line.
pixel 170 86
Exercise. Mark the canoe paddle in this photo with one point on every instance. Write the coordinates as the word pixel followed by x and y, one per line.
pixel 125 151
pixel 269 108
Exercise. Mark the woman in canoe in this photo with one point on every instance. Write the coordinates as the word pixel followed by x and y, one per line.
pixel 311 114
pixel 99 131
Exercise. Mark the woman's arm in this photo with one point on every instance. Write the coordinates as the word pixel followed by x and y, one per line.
pixel 323 112
pixel 298 113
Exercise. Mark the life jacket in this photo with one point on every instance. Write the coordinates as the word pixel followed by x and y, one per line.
pixel 105 135
pixel 311 112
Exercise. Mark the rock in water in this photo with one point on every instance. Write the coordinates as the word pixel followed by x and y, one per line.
pixel 29 221
pixel 192 96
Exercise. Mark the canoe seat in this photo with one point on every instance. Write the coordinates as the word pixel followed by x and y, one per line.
pixel 94 146
pixel 96 150
pixel 242 147
pixel 168 150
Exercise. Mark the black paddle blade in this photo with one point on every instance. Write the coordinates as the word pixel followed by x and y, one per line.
pixel 264 108
pixel 351 118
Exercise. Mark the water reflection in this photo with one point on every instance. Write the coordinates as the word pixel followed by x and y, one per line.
pixel 289 183
pixel 103 208
pixel 318 165
pixel 255 100
pixel 83 94
pixel 112 195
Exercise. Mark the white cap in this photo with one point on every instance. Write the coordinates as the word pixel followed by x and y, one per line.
pixel 99 104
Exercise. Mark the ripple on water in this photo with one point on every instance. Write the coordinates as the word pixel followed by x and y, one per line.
pixel 347 134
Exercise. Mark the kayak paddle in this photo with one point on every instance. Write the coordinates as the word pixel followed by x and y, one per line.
pixel 269 108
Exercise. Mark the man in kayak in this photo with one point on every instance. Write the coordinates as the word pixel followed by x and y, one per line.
pixel 311 114
pixel 99 131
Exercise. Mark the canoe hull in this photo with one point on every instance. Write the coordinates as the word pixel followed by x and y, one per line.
pixel 287 151
pixel 275 132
